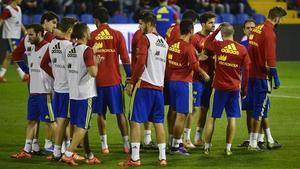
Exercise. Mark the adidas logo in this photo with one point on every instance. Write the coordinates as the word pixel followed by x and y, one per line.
pixel 104 35
pixel 56 48
pixel 163 10
pixel 258 29
pixel 72 53
pixel 175 47
pixel 231 49
pixel 222 58
pixel 160 43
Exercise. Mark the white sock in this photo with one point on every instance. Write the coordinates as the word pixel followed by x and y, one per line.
pixel 48 144
pixel 89 156
pixel 35 145
pixel 147 137
pixel 207 145
pixel 260 137
pixel 104 141
pixel 68 153
pixel 68 143
pixel 269 136
pixel 135 151
pixel 176 142
pixel 63 147
pixel 187 134
pixel 253 139
pixel 162 151
pixel 20 72
pixel 57 151
pixel 170 140
pixel 28 145
pixel 126 141
pixel 198 134
pixel 228 146
pixel 2 72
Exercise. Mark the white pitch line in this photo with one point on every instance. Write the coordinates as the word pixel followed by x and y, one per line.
pixel 288 97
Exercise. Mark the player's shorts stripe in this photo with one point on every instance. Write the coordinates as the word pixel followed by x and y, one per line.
pixel 49 105
pixel 138 84
pixel 69 115
pixel 240 102
pixel 191 98
pixel 123 97
pixel 269 85
pixel 264 106
pixel 88 114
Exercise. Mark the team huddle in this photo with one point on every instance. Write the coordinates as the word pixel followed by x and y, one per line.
pixel 75 72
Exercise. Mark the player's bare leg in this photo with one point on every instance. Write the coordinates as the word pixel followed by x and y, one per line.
pixel 171 120
pixel 209 130
pixel 122 123
pixel 249 122
pixel 187 131
pixel 49 136
pixel 161 143
pixel 35 142
pixel 60 134
pixel 177 146
pixel 90 158
pixel 231 129
pixel 147 135
pixel 254 135
pixel 200 125
pixel 102 132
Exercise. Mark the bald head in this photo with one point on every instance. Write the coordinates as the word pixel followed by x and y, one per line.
pixel 227 30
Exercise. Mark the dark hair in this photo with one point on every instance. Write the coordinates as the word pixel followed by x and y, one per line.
pixel 67 23
pixel 206 16
pixel 101 14
pixel 149 17
pixel 247 21
pixel 78 30
pixel 276 12
pixel 48 16
pixel 37 28
pixel 186 26
pixel 190 15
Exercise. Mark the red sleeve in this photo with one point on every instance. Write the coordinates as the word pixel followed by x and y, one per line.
pixel 48 36
pixel 210 42
pixel 191 52
pixel 18 53
pixel 142 55
pixel 122 50
pixel 88 56
pixel 5 14
pixel 270 52
pixel 175 16
pixel 45 63
pixel 246 66
pixel 196 43
pixel 91 42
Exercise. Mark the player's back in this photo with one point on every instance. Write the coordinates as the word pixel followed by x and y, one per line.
pixel 181 56
pixel 165 16
pixel 173 33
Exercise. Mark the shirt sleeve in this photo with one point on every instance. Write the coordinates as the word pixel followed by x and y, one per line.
pixel 246 68
pixel 142 55
pixel 18 53
pixel 191 53
pixel 122 49
pixel 270 52
pixel 5 14
pixel 210 43
pixel 45 63
pixel 88 56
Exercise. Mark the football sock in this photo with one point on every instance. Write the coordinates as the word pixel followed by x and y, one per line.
pixel 20 72
pixel 35 145
pixel 28 145
pixel 2 72
pixel 126 141
pixel 260 137
pixel 57 151
pixel 104 141
pixel 198 134
pixel 269 136
pixel 147 137
pixel 187 134
pixel 162 151
pixel 135 151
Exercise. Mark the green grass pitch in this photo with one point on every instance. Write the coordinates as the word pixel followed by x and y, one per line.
pixel 284 117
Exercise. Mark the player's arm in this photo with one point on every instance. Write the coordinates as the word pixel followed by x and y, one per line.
pixel 90 62
pixel 124 56
pixel 23 29
pixel 210 42
pixel 46 62
pixel 191 52
pixel 246 68
pixel 18 56
pixel 270 53
pixel 5 14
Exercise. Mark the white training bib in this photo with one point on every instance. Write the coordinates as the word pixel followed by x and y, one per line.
pixel 12 25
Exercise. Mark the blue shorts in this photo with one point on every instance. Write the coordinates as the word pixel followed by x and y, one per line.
pixel 166 93
pixel 181 96
pixel 11 44
pixel 81 112
pixel 201 93
pixel 40 108
pixel 230 100
pixel 60 105
pixel 147 105
pixel 111 97
pixel 247 103
pixel 261 103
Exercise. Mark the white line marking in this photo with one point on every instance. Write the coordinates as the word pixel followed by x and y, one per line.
pixel 288 97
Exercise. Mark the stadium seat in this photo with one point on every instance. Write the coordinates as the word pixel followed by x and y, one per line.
pixel 218 19
pixel 87 18
pixel 26 19
pixel 228 18
pixel 72 15
pixel 241 18
pixel 118 18
pixel 259 18
pixel 36 18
